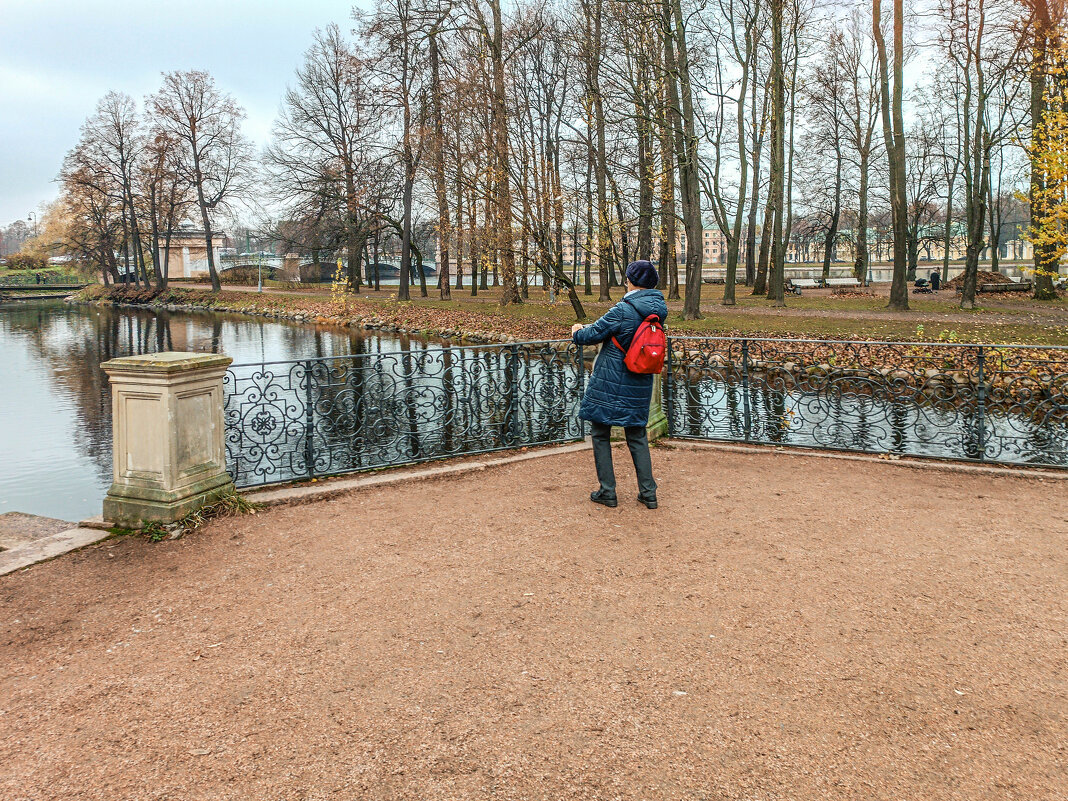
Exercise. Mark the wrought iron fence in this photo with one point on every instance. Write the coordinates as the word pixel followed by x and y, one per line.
pixel 324 416
pixel 40 278
pixel 296 419
pixel 979 402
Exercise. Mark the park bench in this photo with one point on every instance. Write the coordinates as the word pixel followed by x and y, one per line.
pixel 1009 286
pixel 795 285
pixel 842 282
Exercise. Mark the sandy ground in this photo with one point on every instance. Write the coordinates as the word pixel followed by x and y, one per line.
pixel 783 627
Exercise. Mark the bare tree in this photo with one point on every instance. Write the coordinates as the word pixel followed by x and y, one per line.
pixel 216 157
pixel 166 196
pixel 325 152
pixel 825 95
pixel 681 112
pixel 980 40
pixel 99 177
pixel 742 40
pixel 894 138
pixel 921 188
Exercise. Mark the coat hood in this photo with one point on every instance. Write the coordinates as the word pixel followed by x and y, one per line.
pixel 649 301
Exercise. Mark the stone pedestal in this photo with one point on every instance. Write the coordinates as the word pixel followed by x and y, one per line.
pixel 290 267
pixel 167 428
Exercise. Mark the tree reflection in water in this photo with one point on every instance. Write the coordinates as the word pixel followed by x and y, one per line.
pixel 56 416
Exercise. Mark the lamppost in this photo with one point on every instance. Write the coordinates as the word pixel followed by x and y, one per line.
pixel 33 216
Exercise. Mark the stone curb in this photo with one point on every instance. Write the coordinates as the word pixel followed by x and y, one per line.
pixel 49 547
pixel 308 493
pixel 1029 473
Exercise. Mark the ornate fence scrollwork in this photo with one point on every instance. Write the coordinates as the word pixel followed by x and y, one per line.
pixel 314 417
pixel 979 402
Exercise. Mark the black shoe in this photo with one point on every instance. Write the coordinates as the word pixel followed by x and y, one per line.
pixel 603 498
pixel 650 503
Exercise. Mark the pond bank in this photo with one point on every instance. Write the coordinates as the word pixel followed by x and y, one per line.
pixel 482 320
pixel 350 311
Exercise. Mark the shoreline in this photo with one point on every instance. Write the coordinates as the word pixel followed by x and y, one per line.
pixel 453 325
pixel 488 324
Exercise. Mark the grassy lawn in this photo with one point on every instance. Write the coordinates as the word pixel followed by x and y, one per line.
pixel 1003 319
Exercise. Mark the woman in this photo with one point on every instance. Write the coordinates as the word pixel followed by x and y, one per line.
pixel 615 396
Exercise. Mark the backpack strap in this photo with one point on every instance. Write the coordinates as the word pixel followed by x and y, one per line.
pixel 642 319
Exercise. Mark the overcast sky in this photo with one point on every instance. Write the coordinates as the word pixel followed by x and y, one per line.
pixel 58 57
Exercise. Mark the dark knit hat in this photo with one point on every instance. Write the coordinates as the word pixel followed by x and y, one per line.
pixel 642 273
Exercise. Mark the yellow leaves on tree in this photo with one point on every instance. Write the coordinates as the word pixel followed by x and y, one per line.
pixel 1048 154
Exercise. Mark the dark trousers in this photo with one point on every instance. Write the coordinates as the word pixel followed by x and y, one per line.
pixel 638 442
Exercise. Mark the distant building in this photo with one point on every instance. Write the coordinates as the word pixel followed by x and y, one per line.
pixel 807 248
pixel 189 253
pixel 714 247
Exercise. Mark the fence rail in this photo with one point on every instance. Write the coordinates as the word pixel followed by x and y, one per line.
pixel 989 403
pixel 30 279
pixel 312 417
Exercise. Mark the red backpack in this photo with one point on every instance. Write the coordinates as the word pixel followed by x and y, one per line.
pixel 647 348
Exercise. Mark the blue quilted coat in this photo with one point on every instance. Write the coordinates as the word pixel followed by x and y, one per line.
pixel 616 396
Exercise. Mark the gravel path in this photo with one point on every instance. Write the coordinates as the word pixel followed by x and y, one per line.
pixel 783 627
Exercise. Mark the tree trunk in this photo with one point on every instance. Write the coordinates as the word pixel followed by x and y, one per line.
pixel 216 285
pixel 948 241
pixel 976 218
pixel 861 267
pixel 1046 260
pixel 459 219
pixel 776 291
pixel 504 236
pixel 605 275
pixel 677 59
pixel 405 278
pixel 668 257
pixel 153 209
pixel 734 239
pixel 894 135
pixel 444 227
pixel 198 181
pixel 587 249
pixel 377 258
pixel 646 189
pixel 760 285
pixel 750 232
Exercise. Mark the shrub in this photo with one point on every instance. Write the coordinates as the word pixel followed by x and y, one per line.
pixel 132 294
pixel 26 261
pixel 245 276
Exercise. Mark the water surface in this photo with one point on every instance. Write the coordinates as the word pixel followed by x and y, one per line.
pixel 55 409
